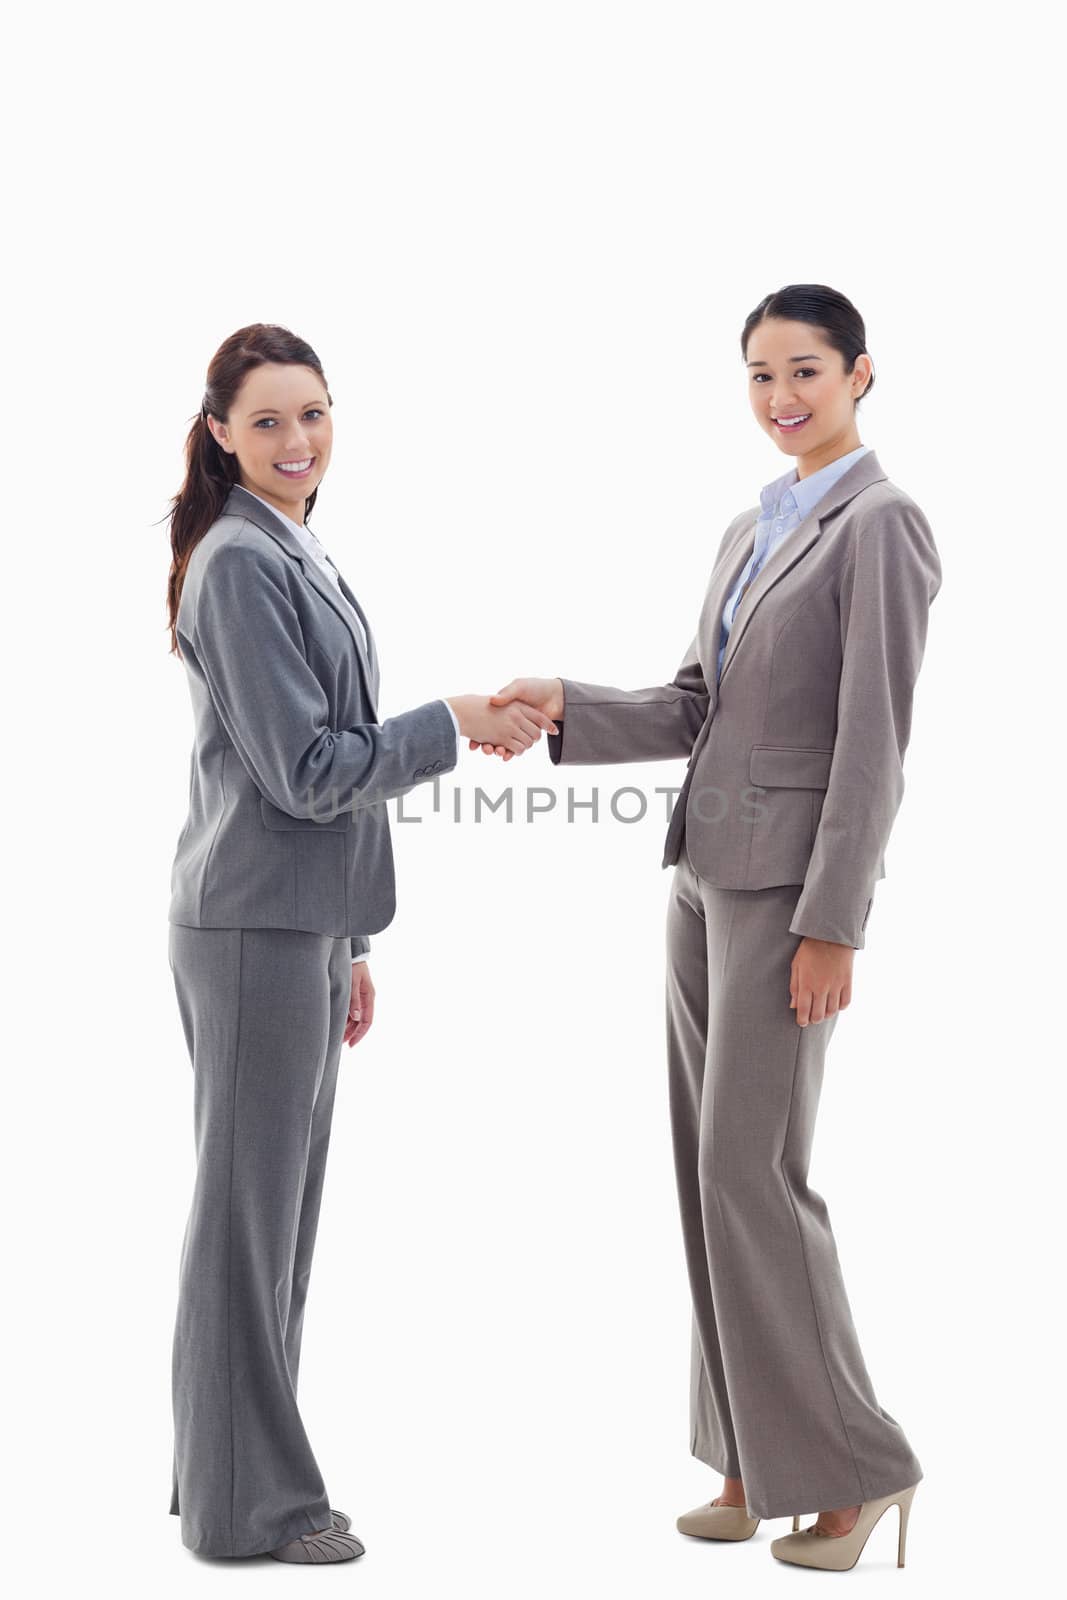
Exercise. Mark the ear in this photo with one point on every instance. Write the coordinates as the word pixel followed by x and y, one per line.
pixel 220 433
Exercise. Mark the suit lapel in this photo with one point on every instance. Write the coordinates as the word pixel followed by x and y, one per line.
pixel 793 547
pixel 788 553
pixel 722 583
pixel 372 649
pixel 241 503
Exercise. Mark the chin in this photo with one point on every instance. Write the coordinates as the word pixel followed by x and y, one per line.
pixel 790 447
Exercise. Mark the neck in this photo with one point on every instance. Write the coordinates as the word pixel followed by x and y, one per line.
pixel 294 510
pixel 832 450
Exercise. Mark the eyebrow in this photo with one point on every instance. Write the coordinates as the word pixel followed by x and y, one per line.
pixel 792 358
pixel 273 411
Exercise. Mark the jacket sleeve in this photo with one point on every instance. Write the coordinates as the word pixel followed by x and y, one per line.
pixel 273 709
pixel 360 946
pixel 887 586
pixel 601 724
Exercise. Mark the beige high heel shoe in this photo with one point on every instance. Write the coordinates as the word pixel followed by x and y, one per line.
pixel 721 1522
pixel 839 1552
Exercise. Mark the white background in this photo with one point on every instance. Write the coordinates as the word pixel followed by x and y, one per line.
pixel 523 240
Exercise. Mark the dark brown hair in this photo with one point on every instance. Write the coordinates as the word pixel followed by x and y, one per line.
pixel 835 317
pixel 210 471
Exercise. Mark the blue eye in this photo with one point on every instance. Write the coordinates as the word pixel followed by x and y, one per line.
pixel 312 411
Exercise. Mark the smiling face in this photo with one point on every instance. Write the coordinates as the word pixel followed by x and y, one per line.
pixel 801 394
pixel 281 432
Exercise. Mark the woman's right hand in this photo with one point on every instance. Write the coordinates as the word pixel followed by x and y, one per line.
pixel 544 693
pixel 510 726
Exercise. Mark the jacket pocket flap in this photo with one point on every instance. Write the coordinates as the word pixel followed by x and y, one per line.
pixel 322 821
pixel 775 766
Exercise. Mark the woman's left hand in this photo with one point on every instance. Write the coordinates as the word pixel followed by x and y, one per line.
pixel 820 980
pixel 360 1005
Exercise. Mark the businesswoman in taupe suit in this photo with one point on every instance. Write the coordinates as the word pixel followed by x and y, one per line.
pixel 283 868
pixel 793 706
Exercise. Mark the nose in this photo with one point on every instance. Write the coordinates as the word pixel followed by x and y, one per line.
pixel 297 444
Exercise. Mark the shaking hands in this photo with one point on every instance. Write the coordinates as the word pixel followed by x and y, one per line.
pixel 540 698
pixel 509 722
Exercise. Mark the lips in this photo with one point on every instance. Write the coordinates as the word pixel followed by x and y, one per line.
pixel 792 424
pixel 295 469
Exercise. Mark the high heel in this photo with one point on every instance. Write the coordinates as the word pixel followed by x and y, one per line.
pixel 839 1552
pixel 721 1522
pixel 718 1522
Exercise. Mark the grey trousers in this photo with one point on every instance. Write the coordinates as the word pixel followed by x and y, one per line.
pixel 780 1396
pixel 263 1010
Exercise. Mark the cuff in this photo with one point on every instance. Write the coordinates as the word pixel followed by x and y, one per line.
pixel 455 724
pixel 836 930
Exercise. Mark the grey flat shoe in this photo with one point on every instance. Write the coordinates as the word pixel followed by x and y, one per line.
pixel 330 1545
pixel 341 1521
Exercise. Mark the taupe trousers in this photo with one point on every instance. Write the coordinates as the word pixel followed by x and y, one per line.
pixel 780 1395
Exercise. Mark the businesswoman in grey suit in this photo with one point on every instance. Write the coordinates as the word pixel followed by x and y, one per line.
pixel 793 707
pixel 282 869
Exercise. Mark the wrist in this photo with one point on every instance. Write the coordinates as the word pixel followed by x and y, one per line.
pixel 459 704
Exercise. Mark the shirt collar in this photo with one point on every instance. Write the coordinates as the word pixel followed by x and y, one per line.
pixel 789 494
pixel 304 534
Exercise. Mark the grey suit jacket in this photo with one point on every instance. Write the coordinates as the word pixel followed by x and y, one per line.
pixel 795 757
pixel 290 767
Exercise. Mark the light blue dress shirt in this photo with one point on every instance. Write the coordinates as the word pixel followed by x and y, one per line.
pixel 783 506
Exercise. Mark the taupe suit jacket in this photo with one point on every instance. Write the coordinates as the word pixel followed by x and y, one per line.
pixel 290 767
pixel 795 756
